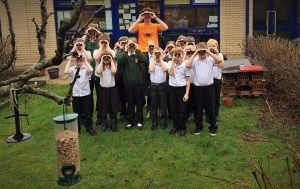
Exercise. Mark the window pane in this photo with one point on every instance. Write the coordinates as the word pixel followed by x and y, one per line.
pixel 186 17
pixel 61 15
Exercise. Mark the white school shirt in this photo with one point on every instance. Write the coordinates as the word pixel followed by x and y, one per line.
pixel 81 86
pixel 203 71
pixel 217 71
pixel 107 78
pixel 180 72
pixel 158 76
pixel 192 73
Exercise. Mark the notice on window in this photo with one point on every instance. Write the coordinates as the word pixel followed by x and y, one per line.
pixel 127 16
pixel 213 19
pixel 204 1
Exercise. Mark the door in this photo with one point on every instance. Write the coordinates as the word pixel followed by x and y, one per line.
pixel 275 18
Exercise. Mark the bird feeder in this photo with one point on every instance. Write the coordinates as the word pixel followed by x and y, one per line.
pixel 67 144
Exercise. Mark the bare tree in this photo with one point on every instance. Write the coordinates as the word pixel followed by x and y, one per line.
pixel 20 82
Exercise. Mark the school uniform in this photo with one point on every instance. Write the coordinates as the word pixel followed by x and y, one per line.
pixel 94 81
pixel 135 79
pixel 120 84
pixel 204 94
pixel 191 103
pixel 81 95
pixel 177 89
pixel 149 57
pixel 217 74
pixel 158 95
pixel 109 98
pixel 168 58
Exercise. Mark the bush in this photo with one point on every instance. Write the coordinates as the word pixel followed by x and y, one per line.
pixel 282 59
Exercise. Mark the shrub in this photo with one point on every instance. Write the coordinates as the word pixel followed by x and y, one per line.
pixel 282 59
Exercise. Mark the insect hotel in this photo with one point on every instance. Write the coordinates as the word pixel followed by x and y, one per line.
pixel 241 78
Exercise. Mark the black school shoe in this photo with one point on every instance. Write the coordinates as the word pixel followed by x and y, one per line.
pixel 164 126
pixel 104 125
pixel 154 126
pixel 91 132
pixel 114 127
pixel 172 131
pixel 182 133
pixel 139 125
pixel 213 131
pixel 198 130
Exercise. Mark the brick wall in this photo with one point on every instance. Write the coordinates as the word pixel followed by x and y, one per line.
pixel 233 26
pixel 22 12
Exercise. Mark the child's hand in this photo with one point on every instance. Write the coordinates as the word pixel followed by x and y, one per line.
pixel 214 50
pixel 101 59
pixel 185 97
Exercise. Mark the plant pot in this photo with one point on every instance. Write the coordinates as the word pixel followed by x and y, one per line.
pixel 228 101
pixel 53 73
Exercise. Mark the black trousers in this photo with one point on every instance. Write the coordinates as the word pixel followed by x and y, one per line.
pixel 191 102
pixel 205 99
pixel 121 89
pixel 112 116
pixel 83 104
pixel 218 87
pixel 95 84
pixel 158 99
pixel 135 95
pixel 178 107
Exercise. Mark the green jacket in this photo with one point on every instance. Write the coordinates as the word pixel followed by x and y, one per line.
pixel 134 67
pixel 91 46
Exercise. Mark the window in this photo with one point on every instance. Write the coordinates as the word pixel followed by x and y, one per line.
pixel 61 15
pixel 187 17
pixel 103 17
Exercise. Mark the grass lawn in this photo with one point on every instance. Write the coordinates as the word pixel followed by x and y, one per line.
pixel 148 159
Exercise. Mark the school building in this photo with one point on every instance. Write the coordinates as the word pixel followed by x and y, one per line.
pixel 228 21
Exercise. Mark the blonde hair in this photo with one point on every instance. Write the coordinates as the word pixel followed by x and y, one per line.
pixel 158 49
pixel 213 41
pixel 176 49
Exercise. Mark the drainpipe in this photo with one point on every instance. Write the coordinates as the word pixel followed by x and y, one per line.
pixel 247 25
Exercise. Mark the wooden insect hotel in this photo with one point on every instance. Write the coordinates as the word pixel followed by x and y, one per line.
pixel 241 78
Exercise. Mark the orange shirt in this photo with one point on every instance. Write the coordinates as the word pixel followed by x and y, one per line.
pixel 147 32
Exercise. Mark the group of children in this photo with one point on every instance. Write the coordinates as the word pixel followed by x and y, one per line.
pixel 182 79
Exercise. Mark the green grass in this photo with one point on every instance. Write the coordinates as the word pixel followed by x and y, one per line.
pixel 145 159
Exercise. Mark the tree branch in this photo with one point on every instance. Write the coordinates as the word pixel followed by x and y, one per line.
pixel 57 59
pixel 12 59
pixel 29 89
pixel 41 33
